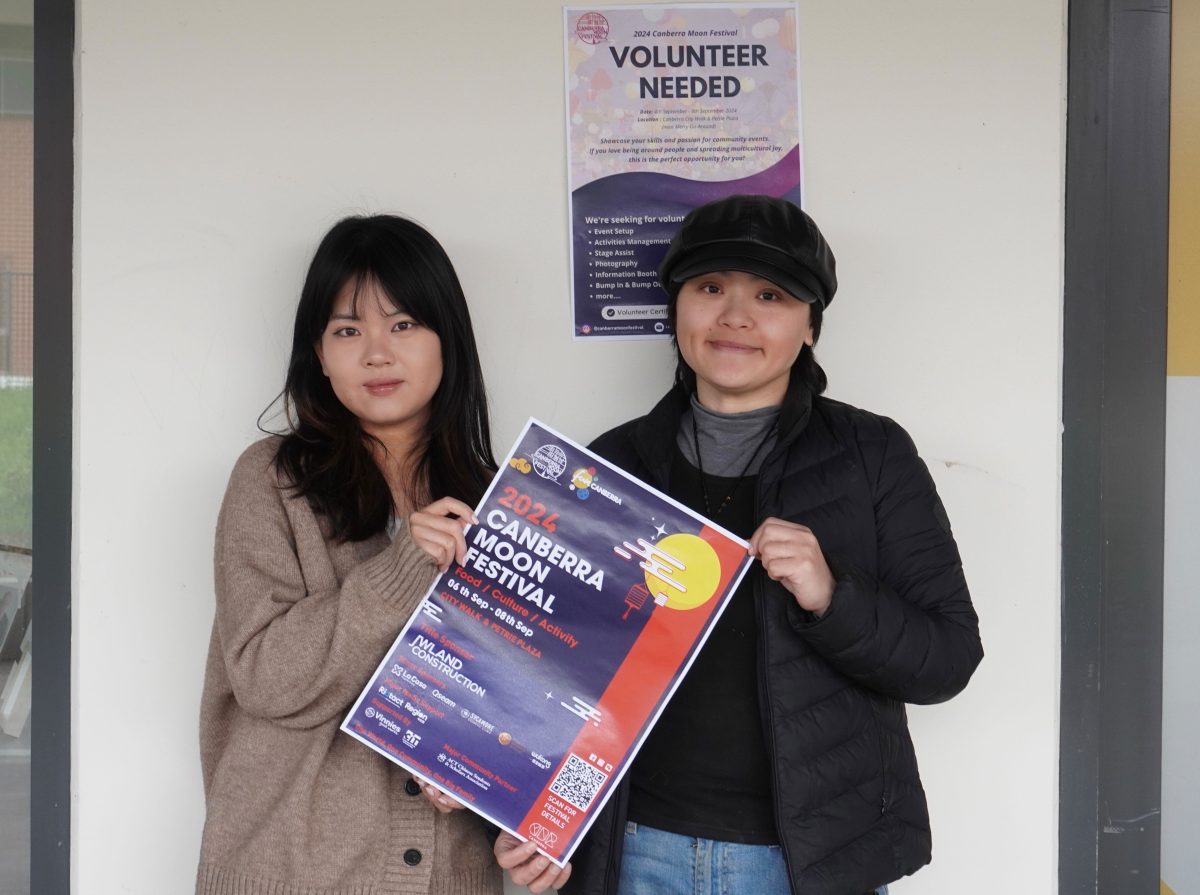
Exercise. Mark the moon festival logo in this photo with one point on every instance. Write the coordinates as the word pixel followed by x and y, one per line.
pixel 549 461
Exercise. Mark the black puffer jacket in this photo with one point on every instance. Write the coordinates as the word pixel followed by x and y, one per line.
pixel 849 808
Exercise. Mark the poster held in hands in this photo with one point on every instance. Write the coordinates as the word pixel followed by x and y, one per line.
pixel 530 674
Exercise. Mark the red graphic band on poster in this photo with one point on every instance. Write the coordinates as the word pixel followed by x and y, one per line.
pixel 632 694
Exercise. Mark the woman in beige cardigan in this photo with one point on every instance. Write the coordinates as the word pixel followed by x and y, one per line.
pixel 328 537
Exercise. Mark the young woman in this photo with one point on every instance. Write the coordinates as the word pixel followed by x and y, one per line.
pixel 328 537
pixel 783 762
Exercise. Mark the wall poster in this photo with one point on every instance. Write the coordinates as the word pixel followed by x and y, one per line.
pixel 668 107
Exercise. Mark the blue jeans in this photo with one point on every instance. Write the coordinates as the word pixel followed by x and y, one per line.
pixel 655 862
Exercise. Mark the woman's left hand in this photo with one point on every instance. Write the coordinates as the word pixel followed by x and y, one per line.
pixel 527 867
pixel 438 530
pixel 439 799
pixel 790 554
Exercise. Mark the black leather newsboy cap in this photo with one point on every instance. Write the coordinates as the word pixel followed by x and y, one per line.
pixel 770 238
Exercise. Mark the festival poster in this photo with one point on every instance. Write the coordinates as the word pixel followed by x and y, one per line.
pixel 668 107
pixel 530 674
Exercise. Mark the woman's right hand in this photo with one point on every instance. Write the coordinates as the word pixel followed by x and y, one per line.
pixel 528 868
pixel 440 800
pixel 439 528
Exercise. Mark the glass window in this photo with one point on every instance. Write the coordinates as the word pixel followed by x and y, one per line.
pixel 16 438
pixel 16 86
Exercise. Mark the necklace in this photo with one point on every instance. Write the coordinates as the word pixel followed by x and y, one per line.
pixel 741 476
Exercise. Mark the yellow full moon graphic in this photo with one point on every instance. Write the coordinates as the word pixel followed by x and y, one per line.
pixel 695 583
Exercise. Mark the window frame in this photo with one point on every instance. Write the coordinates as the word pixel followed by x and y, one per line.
pixel 53 376
pixel 1114 446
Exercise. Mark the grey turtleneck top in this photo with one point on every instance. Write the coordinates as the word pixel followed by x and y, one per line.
pixel 728 441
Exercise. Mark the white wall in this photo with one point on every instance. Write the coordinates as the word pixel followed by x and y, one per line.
pixel 218 140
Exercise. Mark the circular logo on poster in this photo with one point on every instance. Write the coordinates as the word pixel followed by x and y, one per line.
pixel 581 481
pixel 592 28
pixel 549 461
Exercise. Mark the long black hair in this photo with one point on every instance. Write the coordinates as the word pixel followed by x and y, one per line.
pixel 805 371
pixel 325 453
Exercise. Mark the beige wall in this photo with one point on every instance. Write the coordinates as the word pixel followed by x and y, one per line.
pixel 1181 564
pixel 216 141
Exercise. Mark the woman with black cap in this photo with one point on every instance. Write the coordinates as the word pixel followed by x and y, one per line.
pixel 783 762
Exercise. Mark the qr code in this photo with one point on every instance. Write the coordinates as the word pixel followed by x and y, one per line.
pixel 578 782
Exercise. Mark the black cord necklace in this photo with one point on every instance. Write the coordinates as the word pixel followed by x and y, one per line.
pixel 741 476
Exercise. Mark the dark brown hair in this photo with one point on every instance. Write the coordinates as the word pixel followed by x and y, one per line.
pixel 325 452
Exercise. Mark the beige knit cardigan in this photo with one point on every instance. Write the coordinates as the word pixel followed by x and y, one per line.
pixel 295 807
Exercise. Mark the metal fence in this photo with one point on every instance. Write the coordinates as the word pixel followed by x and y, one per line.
pixel 16 327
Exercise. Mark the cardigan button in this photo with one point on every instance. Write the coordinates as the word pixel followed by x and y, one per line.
pixel 412 857
pixel 412 787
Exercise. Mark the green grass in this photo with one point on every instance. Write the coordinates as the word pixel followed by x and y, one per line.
pixel 16 465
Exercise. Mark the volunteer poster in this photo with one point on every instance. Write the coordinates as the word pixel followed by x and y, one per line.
pixel 530 673
pixel 668 107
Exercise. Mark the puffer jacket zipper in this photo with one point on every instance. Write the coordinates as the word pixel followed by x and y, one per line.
pixel 764 697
